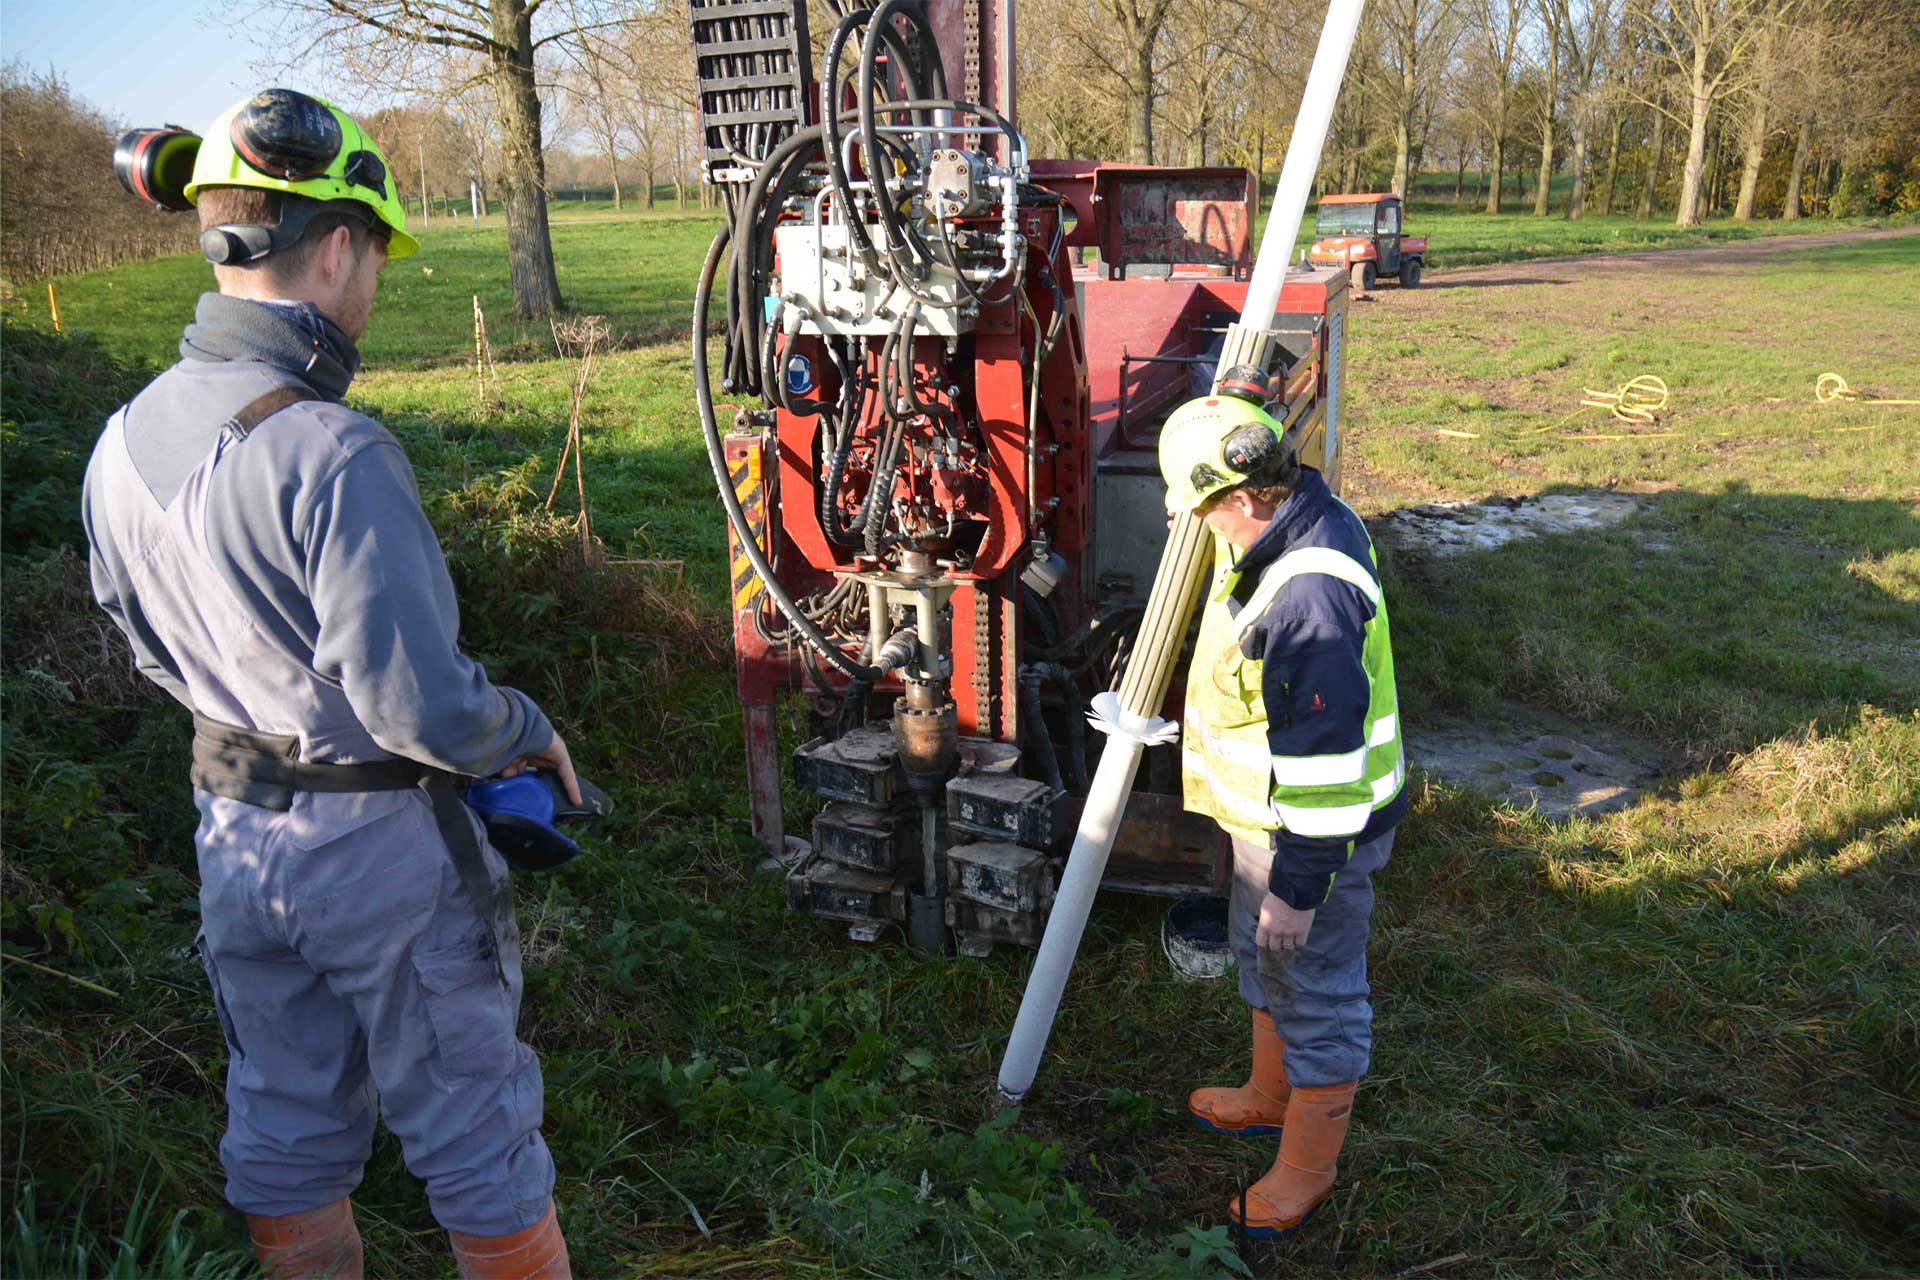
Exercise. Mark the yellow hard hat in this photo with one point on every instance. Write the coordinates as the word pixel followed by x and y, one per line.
pixel 1214 443
pixel 284 140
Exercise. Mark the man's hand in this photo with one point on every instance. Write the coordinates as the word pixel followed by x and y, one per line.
pixel 555 757
pixel 1282 930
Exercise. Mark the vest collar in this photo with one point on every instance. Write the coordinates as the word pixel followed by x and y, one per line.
pixel 293 336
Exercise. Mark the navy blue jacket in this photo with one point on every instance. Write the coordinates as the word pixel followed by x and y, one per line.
pixel 1312 638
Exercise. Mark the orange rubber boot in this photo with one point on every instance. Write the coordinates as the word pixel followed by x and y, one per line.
pixel 1302 1178
pixel 320 1244
pixel 537 1253
pixel 1260 1105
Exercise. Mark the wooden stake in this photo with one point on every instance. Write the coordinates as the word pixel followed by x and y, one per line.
pixel 53 307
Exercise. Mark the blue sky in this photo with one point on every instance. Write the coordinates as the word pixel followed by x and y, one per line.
pixel 139 61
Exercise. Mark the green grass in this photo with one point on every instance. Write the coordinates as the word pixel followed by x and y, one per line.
pixel 631 269
pixel 1461 236
pixel 1677 1040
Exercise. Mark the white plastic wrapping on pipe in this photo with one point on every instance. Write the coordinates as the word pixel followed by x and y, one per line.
pixel 1128 717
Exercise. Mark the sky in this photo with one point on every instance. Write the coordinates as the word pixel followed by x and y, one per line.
pixel 141 62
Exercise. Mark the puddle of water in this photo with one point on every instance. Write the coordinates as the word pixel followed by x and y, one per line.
pixel 1594 771
pixel 1447 528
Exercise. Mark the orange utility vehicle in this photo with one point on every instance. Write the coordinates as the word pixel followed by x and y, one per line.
pixel 1362 234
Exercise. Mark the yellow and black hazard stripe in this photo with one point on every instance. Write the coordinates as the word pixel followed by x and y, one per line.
pixel 745 474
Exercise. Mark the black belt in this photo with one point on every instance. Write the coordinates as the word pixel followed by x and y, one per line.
pixel 265 769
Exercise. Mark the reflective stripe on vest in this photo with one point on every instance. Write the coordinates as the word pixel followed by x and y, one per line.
pixel 1231 773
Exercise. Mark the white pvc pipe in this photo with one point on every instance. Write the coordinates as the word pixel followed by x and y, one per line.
pixel 1302 162
pixel 1072 904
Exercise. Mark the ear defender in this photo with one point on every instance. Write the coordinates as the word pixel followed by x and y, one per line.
pixel 1260 455
pixel 157 164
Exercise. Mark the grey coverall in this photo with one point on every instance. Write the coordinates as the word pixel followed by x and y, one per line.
pixel 1318 995
pixel 288 581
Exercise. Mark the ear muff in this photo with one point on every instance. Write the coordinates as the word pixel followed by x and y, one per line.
pixel 1259 455
pixel 157 164
pixel 287 134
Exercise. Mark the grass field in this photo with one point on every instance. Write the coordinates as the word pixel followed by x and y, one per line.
pixel 1679 1040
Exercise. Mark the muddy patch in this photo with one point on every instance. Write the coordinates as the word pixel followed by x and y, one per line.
pixel 1531 759
pixel 1446 528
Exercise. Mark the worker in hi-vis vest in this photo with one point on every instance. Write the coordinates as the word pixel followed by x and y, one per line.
pixel 263 548
pixel 1291 744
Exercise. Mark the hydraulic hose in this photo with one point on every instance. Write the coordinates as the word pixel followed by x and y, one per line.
pixel 1076 713
pixel 716 458
pixel 877 24
pixel 830 120
pixel 1034 721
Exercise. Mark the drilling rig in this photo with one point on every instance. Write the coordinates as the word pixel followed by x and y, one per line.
pixel 943 363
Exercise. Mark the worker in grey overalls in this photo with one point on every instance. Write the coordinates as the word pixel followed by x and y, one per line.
pixel 263 548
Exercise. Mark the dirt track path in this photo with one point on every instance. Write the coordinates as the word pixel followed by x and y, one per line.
pixel 1586 266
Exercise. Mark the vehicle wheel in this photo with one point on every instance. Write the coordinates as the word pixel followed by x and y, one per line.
pixel 1362 277
pixel 1410 274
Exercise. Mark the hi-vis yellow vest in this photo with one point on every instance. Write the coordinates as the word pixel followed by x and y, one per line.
pixel 1231 773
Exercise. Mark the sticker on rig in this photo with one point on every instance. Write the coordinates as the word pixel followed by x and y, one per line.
pixel 745 474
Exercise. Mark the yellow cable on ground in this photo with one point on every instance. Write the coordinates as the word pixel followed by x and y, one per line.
pixel 1635 400
pixel 1829 387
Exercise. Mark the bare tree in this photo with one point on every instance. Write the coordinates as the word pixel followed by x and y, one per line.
pixel 1656 152
pixel 1587 31
pixel 1708 46
pixel 403 43
pixel 1139 24
pixel 1758 99
pixel 1552 24
pixel 599 82
pixel 1489 79
pixel 1416 42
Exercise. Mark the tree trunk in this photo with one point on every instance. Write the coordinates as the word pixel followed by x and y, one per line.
pixel 650 176
pixel 1545 191
pixel 523 177
pixel 1700 100
pixel 1259 167
pixel 1577 200
pixel 1402 154
pixel 1459 172
pixel 1655 146
pixel 1801 149
pixel 613 162
pixel 1403 133
pixel 1613 165
pixel 1497 162
pixel 1140 117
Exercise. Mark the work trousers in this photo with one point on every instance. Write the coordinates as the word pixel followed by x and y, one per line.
pixel 353 976
pixel 1317 995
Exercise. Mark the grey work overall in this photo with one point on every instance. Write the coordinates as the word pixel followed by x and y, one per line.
pixel 359 965
pixel 1318 995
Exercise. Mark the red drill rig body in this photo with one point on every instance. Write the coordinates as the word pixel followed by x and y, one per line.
pixel 949 363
